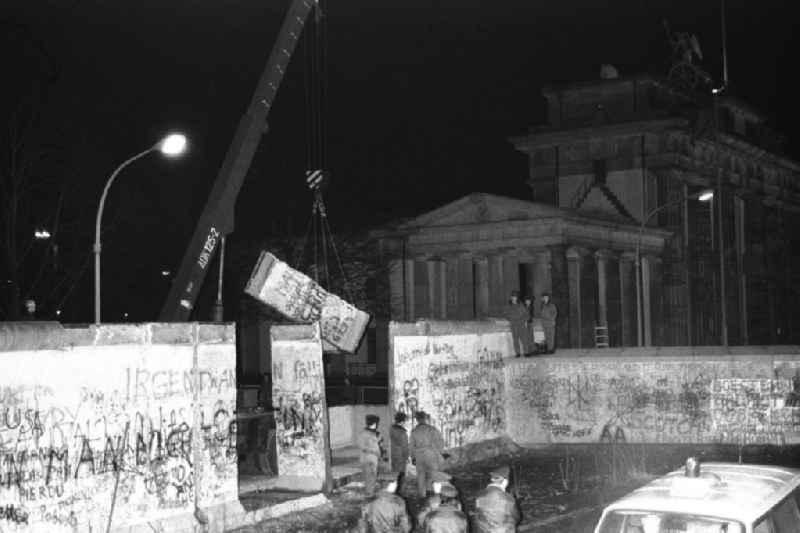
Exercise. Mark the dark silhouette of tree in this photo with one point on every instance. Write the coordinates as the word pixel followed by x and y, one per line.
pixel 40 223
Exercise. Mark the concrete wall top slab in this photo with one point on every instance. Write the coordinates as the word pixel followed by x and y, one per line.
pixel 20 336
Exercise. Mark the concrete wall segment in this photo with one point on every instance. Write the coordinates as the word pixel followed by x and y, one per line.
pixel 599 396
pixel 454 372
pixel 132 414
pixel 298 392
pixel 709 394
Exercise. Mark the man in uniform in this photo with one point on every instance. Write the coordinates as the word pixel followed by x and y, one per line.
pixel 448 516
pixel 370 453
pixel 548 313
pixel 387 513
pixel 426 446
pixel 496 511
pixel 517 316
pixel 398 436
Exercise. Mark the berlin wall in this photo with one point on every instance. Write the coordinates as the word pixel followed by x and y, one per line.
pixel 298 392
pixel 453 371
pixel 131 424
pixel 743 395
pixel 461 373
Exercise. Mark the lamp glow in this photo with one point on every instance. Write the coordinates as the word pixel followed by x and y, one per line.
pixel 706 196
pixel 173 145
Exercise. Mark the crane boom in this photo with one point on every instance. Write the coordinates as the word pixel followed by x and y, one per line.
pixel 217 219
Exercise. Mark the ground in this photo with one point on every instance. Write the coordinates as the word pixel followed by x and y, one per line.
pixel 559 488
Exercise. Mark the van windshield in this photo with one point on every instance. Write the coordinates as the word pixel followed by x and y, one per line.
pixel 658 522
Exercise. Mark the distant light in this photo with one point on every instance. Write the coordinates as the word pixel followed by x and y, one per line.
pixel 125 315
pixel 706 196
pixel 58 312
pixel 173 145
pixel 41 234
pixel 165 273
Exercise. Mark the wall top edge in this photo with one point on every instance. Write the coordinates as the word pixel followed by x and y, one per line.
pixel 448 327
pixel 665 353
pixel 295 332
pixel 27 336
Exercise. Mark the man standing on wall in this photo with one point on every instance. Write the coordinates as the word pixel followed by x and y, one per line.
pixel 517 315
pixel 426 446
pixel 370 448
pixel 496 510
pixel 549 313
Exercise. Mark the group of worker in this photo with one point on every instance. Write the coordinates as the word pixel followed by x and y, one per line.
pixel 533 324
pixel 442 511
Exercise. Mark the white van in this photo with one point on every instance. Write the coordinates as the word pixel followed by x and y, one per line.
pixel 710 498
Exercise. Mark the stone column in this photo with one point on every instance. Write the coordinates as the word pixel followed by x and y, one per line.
pixel 574 268
pixel 542 281
pixel 421 291
pixel 657 294
pixel 451 287
pixel 396 290
pixel 466 289
pixel 560 294
pixel 602 257
pixel 510 274
pixel 628 299
pixel 497 290
pixel 740 206
pixel 481 287
pixel 433 288
pixel 647 336
pixel 442 289
pixel 409 290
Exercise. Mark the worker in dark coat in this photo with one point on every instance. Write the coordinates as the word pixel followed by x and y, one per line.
pixel 398 437
pixel 517 316
pixel 426 445
pixel 496 511
pixel 448 516
pixel 387 512
pixel 549 313
pixel 369 446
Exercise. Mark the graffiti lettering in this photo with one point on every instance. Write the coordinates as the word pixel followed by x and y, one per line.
pixel 13 513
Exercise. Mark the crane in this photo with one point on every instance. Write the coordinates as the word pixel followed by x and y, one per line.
pixel 217 220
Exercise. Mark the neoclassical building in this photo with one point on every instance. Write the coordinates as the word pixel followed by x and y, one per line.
pixel 618 172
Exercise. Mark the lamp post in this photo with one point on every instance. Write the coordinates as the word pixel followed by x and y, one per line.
pixel 172 145
pixel 704 196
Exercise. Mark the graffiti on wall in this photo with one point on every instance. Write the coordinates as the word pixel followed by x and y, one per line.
pixel 298 395
pixel 652 401
pixel 66 449
pixel 457 379
pixel 300 298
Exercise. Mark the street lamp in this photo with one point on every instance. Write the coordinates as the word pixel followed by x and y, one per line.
pixel 705 195
pixel 172 145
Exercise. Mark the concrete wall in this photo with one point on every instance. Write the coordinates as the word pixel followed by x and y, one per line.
pixel 298 392
pixel 461 374
pixel 744 395
pixel 455 372
pixel 134 418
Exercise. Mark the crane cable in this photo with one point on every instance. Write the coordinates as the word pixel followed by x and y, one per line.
pixel 316 177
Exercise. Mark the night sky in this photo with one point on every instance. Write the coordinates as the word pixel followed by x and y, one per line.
pixel 421 99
